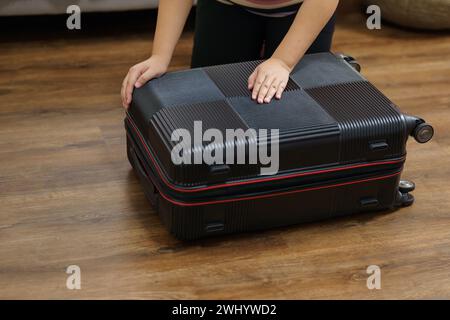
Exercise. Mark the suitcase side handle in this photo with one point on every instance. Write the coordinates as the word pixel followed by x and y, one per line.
pixel 138 163
pixel 149 188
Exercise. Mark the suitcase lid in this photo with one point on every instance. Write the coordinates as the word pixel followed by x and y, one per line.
pixel 329 116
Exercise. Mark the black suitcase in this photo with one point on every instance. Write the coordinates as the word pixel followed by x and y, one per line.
pixel 341 147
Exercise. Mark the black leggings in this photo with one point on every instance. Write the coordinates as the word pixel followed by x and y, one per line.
pixel 227 34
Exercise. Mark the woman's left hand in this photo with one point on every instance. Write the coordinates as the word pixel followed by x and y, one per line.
pixel 268 80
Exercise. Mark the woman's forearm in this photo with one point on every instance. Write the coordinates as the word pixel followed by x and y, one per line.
pixel 309 22
pixel 172 16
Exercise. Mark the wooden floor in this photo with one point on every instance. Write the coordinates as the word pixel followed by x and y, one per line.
pixel 69 197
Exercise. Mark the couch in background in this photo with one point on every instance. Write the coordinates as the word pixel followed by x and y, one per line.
pixel 419 14
pixel 37 7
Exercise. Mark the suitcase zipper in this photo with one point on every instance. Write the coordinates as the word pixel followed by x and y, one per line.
pixel 176 188
pixel 274 194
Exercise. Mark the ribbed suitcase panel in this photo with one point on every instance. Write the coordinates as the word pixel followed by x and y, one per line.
pixel 190 223
pixel 365 116
pixel 232 79
pixel 216 114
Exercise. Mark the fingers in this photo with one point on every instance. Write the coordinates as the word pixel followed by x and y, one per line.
pixel 133 75
pixel 269 80
pixel 272 90
pixel 122 92
pixel 252 79
pixel 146 76
pixel 269 88
pixel 260 78
pixel 265 89
pixel 280 89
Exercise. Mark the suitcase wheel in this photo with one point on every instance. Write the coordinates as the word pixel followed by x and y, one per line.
pixel 406 186
pixel 405 199
pixel 423 133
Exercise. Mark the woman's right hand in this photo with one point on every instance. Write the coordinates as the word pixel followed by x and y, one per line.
pixel 139 74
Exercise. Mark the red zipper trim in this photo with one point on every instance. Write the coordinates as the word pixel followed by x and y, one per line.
pixel 205 203
pixel 239 183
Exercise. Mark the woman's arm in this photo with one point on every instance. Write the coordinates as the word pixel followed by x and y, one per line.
pixel 172 16
pixel 270 78
pixel 309 22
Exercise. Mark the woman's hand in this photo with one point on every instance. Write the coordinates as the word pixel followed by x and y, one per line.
pixel 268 80
pixel 139 74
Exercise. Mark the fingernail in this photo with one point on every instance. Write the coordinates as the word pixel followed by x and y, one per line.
pixel 137 85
